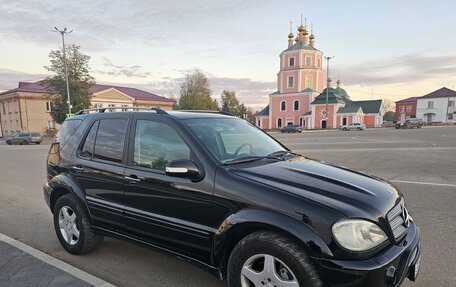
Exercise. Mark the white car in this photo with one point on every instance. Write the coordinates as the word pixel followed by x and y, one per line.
pixel 353 126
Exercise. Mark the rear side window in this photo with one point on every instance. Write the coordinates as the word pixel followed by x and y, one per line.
pixel 110 140
pixel 66 131
pixel 87 148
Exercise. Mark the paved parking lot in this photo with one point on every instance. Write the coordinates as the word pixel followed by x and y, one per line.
pixel 422 163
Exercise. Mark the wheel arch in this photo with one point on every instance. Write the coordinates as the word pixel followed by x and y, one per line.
pixel 245 222
pixel 64 184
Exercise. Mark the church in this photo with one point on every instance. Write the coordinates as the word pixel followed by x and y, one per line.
pixel 301 98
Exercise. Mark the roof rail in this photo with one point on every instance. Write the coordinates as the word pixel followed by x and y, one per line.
pixel 123 109
pixel 208 111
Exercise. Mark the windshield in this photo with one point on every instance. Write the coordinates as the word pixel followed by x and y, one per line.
pixel 232 138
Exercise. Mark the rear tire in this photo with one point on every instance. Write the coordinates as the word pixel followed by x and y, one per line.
pixel 8 142
pixel 289 262
pixel 73 227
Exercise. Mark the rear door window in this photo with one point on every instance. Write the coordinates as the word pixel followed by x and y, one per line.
pixel 110 140
pixel 89 143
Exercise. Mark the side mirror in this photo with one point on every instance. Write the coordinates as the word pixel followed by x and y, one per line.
pixel 182 168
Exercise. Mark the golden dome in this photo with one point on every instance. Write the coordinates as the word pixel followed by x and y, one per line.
pixel 312 37
pixel 302 28
pixel 290 36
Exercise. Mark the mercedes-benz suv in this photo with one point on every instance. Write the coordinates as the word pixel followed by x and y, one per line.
pixel 214 190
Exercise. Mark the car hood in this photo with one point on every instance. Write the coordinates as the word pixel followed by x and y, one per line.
pixel 353 193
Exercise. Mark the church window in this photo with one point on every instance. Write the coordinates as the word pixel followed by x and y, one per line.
pixel 279 122
pixel 308 61
pixel 290 81
pixel 296 105
pixel 309 82
pixel 292 61
pixel 283 106
pixel 319 62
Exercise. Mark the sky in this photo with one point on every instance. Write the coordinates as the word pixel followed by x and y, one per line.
pixel 382 49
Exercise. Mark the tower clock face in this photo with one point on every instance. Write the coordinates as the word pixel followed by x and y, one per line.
pixel 323 113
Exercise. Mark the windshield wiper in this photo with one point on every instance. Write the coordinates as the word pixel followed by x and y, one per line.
pixel 244 159
pixel 280 155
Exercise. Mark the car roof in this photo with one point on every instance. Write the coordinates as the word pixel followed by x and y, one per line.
pixel 175 114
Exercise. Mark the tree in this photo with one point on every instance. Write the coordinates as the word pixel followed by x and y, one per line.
pixel 79 79
pixel 231 104
pixel 388 105
pixel 251 115
pixel 389 116
pixel 195 93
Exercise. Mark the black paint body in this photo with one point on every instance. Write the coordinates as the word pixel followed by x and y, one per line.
pixel 201 221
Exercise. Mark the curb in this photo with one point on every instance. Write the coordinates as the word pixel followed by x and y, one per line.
pixel 76 272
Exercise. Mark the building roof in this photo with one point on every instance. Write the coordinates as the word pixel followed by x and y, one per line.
pixel 407 100
pixel 370 106
pixel 341 92
pixel 39 87
pixel 349 109
pixel 440 93
pixel 300 46
pixel 264 112
pixel 333 98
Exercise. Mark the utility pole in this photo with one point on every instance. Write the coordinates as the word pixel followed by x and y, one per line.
pixel 327 87
pixel 63 33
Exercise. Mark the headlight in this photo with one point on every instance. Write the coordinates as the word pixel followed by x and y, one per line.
pixel 357 234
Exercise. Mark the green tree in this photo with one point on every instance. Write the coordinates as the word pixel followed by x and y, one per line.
pixel 79 79
pixel 195 93
pixel 231 104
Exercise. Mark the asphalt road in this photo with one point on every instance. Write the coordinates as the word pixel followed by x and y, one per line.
pixel 422 163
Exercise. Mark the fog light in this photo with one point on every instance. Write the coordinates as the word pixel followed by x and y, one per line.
pixel 391 275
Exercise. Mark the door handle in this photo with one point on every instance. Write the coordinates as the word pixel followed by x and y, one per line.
pixel 133 179
pixel 78 169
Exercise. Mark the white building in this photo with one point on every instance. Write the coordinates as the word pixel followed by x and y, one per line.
pixel 437 107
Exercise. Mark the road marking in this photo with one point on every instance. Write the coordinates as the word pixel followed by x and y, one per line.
pixel 376 149
pixel 423 183
pixel 78 273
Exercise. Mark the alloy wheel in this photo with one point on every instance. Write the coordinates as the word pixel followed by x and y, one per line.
pixel 68 224
pixel 266 270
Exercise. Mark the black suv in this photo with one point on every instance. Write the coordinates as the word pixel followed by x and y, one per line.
pixel 214 190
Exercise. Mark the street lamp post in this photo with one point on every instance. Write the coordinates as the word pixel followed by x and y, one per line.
pixel 63 33
pixel 327 87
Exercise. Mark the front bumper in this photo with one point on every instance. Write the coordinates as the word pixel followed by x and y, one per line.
pixel 47 194
pixel 387 269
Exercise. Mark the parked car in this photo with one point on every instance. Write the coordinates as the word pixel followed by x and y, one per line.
pixel 24 138
pixel 409 124
pixel 353 126
pixel 216 191
pixel 291 129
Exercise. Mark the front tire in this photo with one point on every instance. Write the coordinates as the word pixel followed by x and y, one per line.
pixel 270 259
pixel 73 227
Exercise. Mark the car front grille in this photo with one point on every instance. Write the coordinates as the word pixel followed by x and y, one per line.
pixel 398 219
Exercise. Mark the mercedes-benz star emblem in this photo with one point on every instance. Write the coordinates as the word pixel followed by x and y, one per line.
pixel 405 216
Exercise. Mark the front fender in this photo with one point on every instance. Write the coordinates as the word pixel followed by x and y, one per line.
pixel 246 221
pixel 65 181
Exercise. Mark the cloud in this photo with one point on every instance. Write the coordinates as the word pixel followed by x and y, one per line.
pixel 122 70
pixel 413 67
pixel 9 79
pixel 101 25
pixel 250 92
